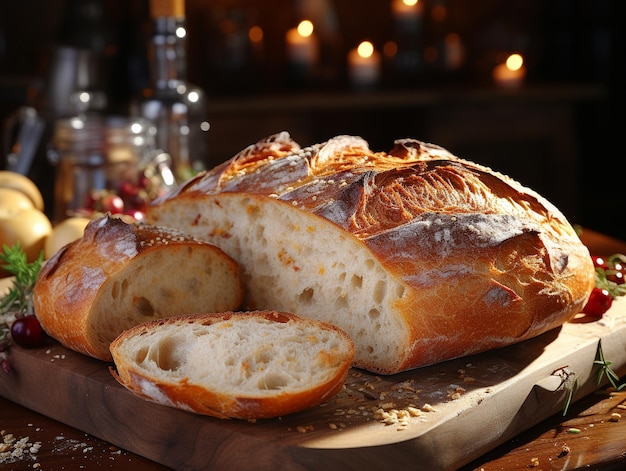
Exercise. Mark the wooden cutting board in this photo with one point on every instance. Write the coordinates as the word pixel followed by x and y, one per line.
pixel 461 408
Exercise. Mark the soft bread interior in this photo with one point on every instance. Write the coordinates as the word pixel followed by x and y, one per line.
pixel 290 258
pixel 189 279
pixel 251 357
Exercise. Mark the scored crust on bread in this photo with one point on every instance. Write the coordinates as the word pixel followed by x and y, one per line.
pixel 244 365
pixel 418 255
pixel 119 275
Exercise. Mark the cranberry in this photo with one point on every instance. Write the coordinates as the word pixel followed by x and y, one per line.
pixel 138 201
pixel 144 182
pixel 127 190
pixel 599 262
pixel 113 204
pixel 617 277
pixel 91 200
pixel 27 332
pixel 600 300
pixel 136 214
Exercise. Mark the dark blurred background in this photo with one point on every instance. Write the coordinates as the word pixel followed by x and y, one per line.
pixel 559 133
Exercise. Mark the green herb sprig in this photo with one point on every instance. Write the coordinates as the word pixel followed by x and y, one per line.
pixel 602 275
pixel 19 297
pixel 606 370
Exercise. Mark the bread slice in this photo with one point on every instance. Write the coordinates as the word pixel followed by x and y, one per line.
pixel 418 255
pixel 244 365
pixel 119 275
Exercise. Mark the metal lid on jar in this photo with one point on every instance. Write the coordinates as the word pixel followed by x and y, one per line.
pixel 97 140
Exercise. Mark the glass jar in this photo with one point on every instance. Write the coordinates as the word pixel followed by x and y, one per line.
pixel 106 163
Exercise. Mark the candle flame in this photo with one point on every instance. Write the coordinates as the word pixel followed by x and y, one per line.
pixel 410 3
pixel 514 62
pixel 305 28
pixel 365 49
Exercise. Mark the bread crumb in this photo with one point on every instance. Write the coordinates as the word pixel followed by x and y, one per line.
pixel 304 429
pixel 456 393
pixel 14 449
pixel 534 462
pixel 615 417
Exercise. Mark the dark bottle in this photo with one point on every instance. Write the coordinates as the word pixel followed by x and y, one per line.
pixel 177 108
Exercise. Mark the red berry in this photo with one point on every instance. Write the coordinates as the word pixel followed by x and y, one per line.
pixel 91 200
pixel 144 182
pixel 113 204
pixel 617 277
pixel 136 214
pixel 599 262
pixel 27 332
pixel 127 190
pixel 600 300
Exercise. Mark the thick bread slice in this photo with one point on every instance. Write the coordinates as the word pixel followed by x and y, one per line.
pixel 119 275
pixel 243 365
pixel 418 255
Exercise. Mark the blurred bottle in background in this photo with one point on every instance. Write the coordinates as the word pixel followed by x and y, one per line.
pixel 77 79
pixel 177 108
pixel 76 82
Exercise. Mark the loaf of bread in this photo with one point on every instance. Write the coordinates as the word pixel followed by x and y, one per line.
pixel 119 275
pixel 418 255
pixel 234 365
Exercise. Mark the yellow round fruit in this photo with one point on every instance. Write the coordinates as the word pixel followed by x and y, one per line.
pixel 14 201
pixel 29 227
pixel 19 182
pixel 63 233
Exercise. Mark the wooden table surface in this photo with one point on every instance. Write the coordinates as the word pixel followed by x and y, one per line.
pixel 592 436
pixel 599 444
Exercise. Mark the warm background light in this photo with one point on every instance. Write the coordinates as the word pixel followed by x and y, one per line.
pixel 305 28
pixel 365 49
pixel 514 61
pixel 390 49
pixel 364 65
pixel 302 45
pixel 511 73
pixel 255 34
pixel 406 10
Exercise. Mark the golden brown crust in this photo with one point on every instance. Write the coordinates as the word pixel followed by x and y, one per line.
pixel 486 261
pixel 71 282
pixel 210 399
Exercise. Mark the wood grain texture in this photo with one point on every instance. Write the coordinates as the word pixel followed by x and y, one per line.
pixel 514 388
pixel 587 438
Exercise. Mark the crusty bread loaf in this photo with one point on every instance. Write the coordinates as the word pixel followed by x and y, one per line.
pixel 418 255
pixel 119 275
pixel 234 365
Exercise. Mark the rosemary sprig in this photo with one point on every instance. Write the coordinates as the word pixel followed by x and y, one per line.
pixel 571 389
pixel 603 370
pixel 606 370
pixel 19 297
